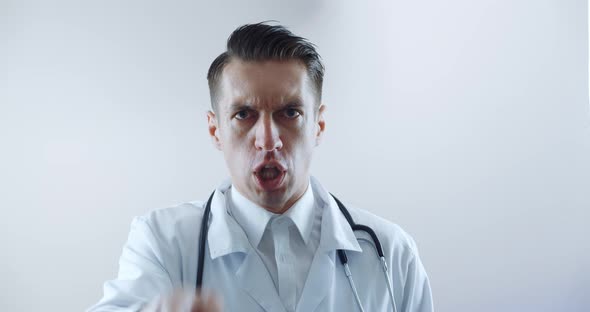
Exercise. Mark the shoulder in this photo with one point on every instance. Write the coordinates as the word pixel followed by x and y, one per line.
pixel 170 223
pixel 393 238
pixel 407 271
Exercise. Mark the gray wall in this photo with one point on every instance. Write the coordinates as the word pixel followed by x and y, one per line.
pixel 466 122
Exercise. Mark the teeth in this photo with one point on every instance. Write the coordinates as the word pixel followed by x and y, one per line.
pixel 269 166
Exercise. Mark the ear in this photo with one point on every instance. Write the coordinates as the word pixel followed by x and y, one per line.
pixel 213 129
pixel 321 123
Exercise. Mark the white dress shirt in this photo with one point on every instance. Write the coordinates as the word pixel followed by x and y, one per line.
pixel 286 243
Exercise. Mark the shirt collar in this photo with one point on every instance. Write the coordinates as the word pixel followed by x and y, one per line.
pixel 302 213
pixel 254 218
pixel 251 217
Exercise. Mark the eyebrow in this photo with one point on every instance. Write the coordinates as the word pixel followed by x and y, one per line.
pixel 294 102
pixel 238 106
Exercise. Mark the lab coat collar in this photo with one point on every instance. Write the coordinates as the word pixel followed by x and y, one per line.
pixel 336 233
pixel 226 236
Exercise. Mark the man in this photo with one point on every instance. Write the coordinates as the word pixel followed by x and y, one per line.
pixel 276 237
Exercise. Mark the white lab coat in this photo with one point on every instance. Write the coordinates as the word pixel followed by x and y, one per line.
pixel 161 255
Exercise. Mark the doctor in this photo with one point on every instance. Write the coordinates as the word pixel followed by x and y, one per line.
pixel 275 235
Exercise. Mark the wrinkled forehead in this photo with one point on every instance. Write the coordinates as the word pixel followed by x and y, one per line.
pixel 265 84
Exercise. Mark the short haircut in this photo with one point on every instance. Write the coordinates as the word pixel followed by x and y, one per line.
pixel 263 42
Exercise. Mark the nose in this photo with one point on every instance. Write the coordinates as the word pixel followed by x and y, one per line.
pixel 267 134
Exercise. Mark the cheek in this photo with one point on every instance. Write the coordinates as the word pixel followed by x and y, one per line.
pixel 235 136
pixel 300 148
pixel 241 151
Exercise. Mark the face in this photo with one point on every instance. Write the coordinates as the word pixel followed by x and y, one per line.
pixel 267 123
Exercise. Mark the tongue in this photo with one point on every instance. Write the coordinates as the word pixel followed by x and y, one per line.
pixel 269 173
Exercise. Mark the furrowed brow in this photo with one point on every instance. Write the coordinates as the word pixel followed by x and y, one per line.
pixel 239 106
pixel 295 102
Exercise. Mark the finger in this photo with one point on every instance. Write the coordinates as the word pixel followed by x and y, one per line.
pixel 198 304
pixel 206 303
pixel 213 303
pixel 216 304
pixel 174 302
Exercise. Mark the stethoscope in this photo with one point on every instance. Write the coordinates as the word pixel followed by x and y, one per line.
pixel 341 252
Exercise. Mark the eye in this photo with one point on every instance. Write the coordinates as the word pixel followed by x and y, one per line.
pixel 243 114
pixel 291 113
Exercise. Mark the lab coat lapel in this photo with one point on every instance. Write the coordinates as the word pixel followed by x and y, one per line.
pixel 319 281
pixel 254 278
pixel 335 234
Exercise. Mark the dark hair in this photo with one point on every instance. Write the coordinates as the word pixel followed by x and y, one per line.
pixel 262 42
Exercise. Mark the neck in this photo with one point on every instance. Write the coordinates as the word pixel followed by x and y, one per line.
pixel 277 206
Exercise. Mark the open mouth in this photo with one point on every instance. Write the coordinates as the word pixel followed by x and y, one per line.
pixel 269 173
pixel 270 176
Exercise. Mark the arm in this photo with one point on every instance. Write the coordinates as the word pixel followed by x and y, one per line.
pixel 142 275
pixel 417 294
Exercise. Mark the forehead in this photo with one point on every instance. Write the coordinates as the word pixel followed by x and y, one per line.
pixel 264 83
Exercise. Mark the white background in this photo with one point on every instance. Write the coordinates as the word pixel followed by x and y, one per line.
pixel 466 122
